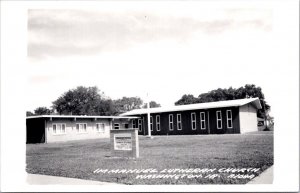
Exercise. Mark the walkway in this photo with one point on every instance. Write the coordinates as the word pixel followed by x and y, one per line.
pixel 37 179
pixel 266 177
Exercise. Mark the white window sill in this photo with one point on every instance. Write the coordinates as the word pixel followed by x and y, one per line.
pixel 82 132
pixel 59 133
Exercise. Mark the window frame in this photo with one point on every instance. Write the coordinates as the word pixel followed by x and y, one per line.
pixel 151 123
pixel 219 119
pixel 84 129
pixel 126 125
pixel 202 121
pixel 59 133
pixel 98 127
pixel 133 123
pixel 157 121
pixel 193 121
pixel 117 126
pixel 179 122
pixel 140 124
pixel 229 119
pixel 171 123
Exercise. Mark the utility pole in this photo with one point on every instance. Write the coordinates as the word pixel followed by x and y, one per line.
pixel 148 116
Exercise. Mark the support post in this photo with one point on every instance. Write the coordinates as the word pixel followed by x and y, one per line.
pixel 148 116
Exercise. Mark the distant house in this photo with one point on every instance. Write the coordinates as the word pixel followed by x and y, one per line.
pixel 56 128
pixel 232 116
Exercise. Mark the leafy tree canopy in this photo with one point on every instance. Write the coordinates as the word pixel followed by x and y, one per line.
pixel 248 91
pixel 153 104
pixel 29 113
pixel 83 101
pixel 187 99
pixel 127 104
pixel 42 111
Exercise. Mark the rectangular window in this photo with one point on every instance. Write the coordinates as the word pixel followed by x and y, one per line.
pixel 157 122
pixel 229 118
pixel 193 117
pixel 59 128
pixel 116 126
pixel 133 124
pixel 126 125
pixel 100 127
pixel 140 124
pixel 179 126
pixel 171 122
pixel 219 120
pixel 81 127
pixel 54 129
pixel 202 120
pixel 151 123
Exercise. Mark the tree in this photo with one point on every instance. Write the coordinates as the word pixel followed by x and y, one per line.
pixel 187 99
pixel 82 101
pixel 127 104
pixel 42 111
pixel 153 104
pixel 251 91
pixel 105 107
pixel 248 91
pixel 29 113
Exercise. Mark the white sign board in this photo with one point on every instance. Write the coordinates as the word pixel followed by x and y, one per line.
pixel 123 141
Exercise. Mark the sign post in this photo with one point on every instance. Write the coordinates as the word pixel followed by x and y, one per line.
pixel 124 143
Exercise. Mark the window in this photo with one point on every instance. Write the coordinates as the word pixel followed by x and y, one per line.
pixel 133 124
pixel 100 127
pixel 171 122
pixel 179 126
pixel 229 118
pixel 202 120
pixel 193 117
pixel 157 122
pixel 126 125
pixel 81 127
pixel 116 126
pixel 140 124
pixel 219 120
pixel 59 128
pixel 151 123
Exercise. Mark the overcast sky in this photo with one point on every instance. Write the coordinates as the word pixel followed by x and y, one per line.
pixel 166 52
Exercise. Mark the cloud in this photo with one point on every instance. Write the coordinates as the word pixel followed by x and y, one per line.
pixel 58 33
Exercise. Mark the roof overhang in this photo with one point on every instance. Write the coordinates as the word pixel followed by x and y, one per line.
pixel 81 117
pixel 257 104
pixel 210 105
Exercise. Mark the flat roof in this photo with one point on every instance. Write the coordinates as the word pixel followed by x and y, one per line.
pixel 229 103
pixel 80 116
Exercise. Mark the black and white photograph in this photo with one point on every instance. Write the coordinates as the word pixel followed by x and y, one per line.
pixel 119 96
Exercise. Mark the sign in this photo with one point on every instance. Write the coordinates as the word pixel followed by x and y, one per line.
pixel 123 141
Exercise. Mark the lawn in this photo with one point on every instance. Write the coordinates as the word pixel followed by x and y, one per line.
pixel 78 159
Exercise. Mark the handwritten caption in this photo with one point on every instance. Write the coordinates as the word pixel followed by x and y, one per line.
pixel 176 173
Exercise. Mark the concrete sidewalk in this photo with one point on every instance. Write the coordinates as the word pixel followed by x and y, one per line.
pixel 37 179
pixel 266 177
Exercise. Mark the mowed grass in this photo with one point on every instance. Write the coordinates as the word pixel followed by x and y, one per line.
pixel 78 159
